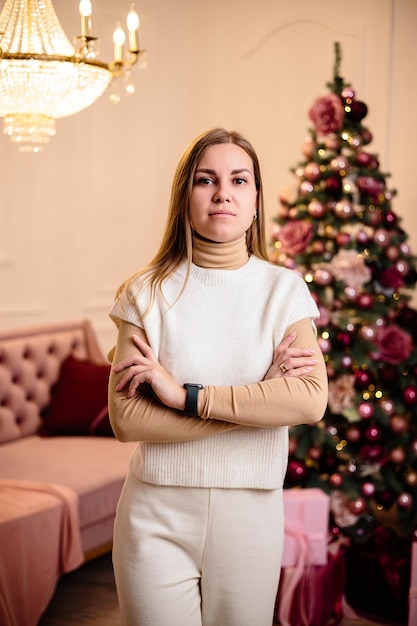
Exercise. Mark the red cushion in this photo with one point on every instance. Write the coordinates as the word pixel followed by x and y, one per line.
pixel 79 400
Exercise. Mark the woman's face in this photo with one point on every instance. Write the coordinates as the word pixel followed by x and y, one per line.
pixel 223 198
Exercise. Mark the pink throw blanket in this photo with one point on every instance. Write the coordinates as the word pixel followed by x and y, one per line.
pixel 39 541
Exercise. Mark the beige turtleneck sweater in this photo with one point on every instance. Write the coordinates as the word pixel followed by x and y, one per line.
pixel 221 332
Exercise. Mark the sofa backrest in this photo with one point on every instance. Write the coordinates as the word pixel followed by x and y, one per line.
pixel 30 362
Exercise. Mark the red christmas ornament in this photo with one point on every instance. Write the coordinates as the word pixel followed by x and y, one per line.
pixel 366 136
pixel 388 374
pixel 373 433
pixel 357 112
pixel 372 452
pixel 317 247
pixel 333 185
pixel 336 480
pixel 390 219
pixel 365 301
pixel 357 506
pixel 296 471
pixel 364 158
pixel 410 395
pixel 344 339
pixel 363 378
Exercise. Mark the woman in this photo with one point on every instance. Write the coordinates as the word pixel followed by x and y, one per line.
pixel 213 362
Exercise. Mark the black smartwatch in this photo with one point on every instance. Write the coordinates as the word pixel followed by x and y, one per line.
pixel 191 400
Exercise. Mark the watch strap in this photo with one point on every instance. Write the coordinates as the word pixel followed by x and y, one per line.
pixel 191 400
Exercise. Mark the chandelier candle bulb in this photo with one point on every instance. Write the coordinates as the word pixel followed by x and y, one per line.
pixel 133 29
pixel 85 12
pixel 119 39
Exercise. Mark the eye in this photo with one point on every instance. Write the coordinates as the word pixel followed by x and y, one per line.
pixel 203 180
pixel 239 180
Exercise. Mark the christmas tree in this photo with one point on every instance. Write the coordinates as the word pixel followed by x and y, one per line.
pixel 337 228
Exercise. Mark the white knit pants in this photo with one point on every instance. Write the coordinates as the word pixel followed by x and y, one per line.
pixel 197 557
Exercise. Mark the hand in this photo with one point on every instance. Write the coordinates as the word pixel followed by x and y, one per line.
pixel 144 367
pixel 290 362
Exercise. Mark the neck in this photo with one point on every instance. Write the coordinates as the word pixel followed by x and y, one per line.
pixel 213 255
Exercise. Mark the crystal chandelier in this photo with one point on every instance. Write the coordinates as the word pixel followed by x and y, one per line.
pixel 44 77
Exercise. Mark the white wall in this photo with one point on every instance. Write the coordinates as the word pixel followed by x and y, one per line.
pixel 90 209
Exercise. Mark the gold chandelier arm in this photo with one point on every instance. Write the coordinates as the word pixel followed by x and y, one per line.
pixel 25 56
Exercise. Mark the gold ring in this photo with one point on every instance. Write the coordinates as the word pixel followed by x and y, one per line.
pixel 283 368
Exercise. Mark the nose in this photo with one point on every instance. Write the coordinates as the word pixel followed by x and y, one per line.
pixel 221 196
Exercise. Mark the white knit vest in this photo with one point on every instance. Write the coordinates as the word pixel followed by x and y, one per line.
pixel 221 331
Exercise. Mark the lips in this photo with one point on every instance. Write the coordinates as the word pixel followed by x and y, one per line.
pixel 221 213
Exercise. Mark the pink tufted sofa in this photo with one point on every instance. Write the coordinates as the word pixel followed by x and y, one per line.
pixel 58 493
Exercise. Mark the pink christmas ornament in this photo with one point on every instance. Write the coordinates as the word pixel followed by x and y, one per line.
pixel 362 237
pixel 397 455
pixel 367 332
pixel 306 187
pixel 405 500
pixel 392 253
pixel 399 424
pixel 331 142
pixel 323 277
pixel 312 171
pixel 366 410
pixel 387 406
pixel 382 237
pixel 368 489
pixel 403 267
pixel 339 163
pixel 309 147
pixel 353 434
pixel 348 93
pixel 316 208
pixel 344 209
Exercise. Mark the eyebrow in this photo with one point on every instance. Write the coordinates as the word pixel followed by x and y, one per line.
pixel 213 172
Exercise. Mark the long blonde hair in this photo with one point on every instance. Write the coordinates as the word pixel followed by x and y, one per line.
pixel 176 243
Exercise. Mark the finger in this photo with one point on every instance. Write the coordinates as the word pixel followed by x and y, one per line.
pixel 128 376
pixel 144 347
pixel 285 343
pixel 298 352
pixel 299 371
pixel 129 361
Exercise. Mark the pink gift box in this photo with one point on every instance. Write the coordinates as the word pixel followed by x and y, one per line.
pixel 306 527
pixel 412 611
